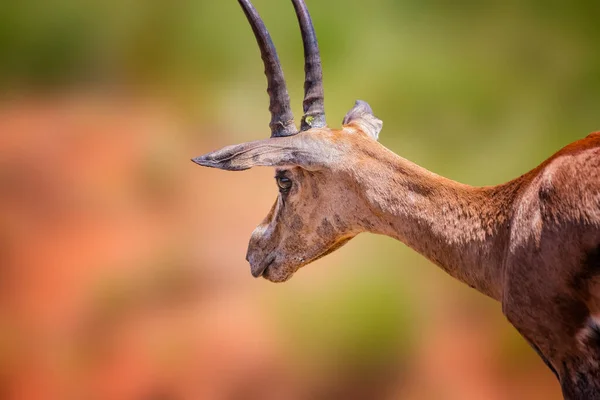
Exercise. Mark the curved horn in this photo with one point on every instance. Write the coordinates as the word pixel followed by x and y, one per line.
pixel 282 119
pixel 314 107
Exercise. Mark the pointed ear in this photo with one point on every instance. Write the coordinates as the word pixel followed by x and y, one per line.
pixel 362 115
pixel 273 152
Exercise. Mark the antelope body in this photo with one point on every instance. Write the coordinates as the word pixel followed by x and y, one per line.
pixel 533 243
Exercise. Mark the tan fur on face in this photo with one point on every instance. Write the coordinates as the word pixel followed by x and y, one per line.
pixel 304 224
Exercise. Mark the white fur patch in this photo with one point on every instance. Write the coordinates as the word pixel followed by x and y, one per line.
pixel 589 331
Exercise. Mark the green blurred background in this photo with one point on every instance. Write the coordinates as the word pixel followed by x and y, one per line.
pixel 123 272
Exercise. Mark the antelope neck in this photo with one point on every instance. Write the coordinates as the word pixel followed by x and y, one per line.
pixel 463 229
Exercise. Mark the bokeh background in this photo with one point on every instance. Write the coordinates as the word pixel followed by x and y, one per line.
pixel 122 263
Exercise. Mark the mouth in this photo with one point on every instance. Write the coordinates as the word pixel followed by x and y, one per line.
pixel 258 272
pixel 263 269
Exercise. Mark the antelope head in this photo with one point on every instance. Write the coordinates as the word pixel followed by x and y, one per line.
pixel 317 210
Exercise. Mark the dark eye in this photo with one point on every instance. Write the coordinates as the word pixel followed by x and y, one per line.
pixel 284 184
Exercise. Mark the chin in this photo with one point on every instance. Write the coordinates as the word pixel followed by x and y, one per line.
pixel 278 274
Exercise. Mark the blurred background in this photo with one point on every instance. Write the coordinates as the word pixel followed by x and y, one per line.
pixel 122 266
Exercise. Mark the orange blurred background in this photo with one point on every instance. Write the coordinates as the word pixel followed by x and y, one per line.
pixel 123 273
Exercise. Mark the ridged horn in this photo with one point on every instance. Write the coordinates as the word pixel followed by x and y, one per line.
pixel 314 103
pixel 282 119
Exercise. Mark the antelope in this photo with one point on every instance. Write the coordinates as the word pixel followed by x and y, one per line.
pixel 532 244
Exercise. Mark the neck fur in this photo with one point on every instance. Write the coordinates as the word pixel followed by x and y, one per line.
pixel 462 229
